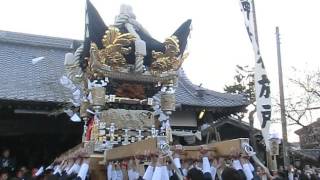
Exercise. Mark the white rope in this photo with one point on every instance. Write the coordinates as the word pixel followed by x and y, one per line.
pixel 250 151
pixel 165 150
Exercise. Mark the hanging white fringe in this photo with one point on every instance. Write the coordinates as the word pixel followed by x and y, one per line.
pixel 76 93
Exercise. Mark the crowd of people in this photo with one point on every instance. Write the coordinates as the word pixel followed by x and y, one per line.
pixel 237 167
pixel 9 171
pixel 158 167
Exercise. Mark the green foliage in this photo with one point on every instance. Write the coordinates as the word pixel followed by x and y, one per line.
pixel 244 83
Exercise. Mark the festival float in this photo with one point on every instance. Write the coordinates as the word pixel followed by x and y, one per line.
pixel 125 81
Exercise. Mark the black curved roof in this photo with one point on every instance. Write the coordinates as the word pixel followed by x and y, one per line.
pixel 187 94
pixel 22 80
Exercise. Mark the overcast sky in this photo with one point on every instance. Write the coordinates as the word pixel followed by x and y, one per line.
pixel 218 39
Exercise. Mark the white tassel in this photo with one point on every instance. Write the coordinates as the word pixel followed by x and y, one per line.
pixel 40 171
pixel 37 59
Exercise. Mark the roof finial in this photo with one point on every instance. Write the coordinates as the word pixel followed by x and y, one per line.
pixel 127 19
pixel 200 91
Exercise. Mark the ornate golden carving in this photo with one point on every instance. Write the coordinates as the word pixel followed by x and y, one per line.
pixel 98 96
pixel 115 47
pixel 136 119
pixel 168 102
pixel 133 91
pixel 168 60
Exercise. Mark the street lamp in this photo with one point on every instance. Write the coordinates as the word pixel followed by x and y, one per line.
pixel 201 114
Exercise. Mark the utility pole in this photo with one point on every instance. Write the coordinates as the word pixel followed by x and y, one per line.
pixel 282 106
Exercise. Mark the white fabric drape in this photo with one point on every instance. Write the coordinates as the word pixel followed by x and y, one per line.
pixel 262 83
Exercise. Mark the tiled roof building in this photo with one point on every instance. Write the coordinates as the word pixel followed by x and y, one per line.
pixel 23 81
pixel 32 99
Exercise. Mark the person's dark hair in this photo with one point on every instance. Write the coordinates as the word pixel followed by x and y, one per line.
pixel 5 150
pixel 4 171
pixel 174 177
pixel 207 176
pixel 242 175
pixel 48 171
pixel 313 177
pixel 195 174
pixel 231 174
pixel 303 177
pixel 52 177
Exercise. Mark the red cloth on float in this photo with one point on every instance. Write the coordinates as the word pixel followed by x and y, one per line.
pixel 89 129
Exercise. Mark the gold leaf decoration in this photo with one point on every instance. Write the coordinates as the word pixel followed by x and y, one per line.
pixel 168 60
pixel 116 45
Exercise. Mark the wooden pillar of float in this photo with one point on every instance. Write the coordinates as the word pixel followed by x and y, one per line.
pixel 97 170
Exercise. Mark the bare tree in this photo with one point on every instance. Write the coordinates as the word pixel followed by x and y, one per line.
pixel 305 98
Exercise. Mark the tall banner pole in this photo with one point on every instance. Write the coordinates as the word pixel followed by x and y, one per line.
pixel 255 22
pixel 262 82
